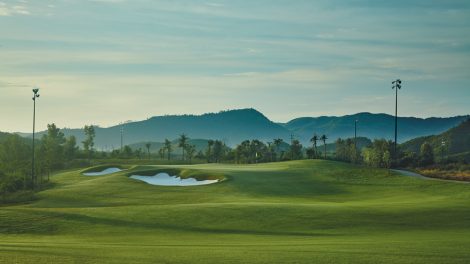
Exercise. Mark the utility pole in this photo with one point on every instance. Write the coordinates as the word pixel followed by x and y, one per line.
pixel 122 132
pixel 355 140
pixel 396 86
pixel 35 95
pixel 291 146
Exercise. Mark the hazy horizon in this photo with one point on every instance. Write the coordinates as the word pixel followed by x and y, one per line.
pixel 215 112
pixel 107 61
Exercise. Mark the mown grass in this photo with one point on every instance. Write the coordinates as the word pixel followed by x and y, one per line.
pixel 289 212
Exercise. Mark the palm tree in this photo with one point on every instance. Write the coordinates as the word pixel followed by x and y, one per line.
pixel 324 138
pixel 147 145
pixel 210 143
pixel 277 143
pixel 314 140
pixel 183 142
pixel 168 147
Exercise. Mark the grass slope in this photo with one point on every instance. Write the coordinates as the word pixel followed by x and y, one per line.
pixel 290 212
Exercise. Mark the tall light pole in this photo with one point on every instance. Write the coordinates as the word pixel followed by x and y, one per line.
pixel 396 86
pixel 35 95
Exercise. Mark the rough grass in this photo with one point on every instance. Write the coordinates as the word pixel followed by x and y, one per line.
pixel 453 171
pixel 289 212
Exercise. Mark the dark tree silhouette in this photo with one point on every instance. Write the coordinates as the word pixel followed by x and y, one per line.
pixel 324 138
pixel 88 143
pixel 190 150
pixel 426 154
pixel 210 143
pixel 183 142
pixel 148 145
pixel 218 152
pixel 314 140
pixel 161 152
pixel 277 143
pixel 168 148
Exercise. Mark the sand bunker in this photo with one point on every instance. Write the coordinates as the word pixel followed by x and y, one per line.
pixel 164 179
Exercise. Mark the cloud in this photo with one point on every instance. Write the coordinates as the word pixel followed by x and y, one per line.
pixel 5 85
pixel 242 74
pixel 109 1
pixel 214 4
pixel 11 10
pixel 284 58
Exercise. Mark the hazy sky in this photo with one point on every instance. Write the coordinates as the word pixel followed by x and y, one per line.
pixel 106 61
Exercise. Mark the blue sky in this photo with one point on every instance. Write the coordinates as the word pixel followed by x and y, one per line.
pixel 107 61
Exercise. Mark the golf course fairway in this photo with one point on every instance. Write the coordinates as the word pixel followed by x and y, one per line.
pixel 309 211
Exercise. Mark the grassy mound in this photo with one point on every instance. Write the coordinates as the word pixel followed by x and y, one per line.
pixel 199 175
pixel 103 167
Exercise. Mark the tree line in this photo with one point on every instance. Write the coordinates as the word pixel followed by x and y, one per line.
pixel 55 151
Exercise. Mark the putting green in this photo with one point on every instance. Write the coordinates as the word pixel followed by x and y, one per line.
pixel 289 212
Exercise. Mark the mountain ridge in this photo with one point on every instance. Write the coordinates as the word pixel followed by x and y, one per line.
pixel 372 125
pixel 455 141
pixel 234 126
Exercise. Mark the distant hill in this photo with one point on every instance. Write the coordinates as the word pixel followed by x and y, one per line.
pixel 229 126
pixel 455 141
pixel 234 126
pixel 371 126
pixel 3 136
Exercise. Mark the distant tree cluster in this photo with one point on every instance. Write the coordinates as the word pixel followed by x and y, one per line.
pixel 54 152
pixel 188 150
pixel 378 154
pixel 247 151
pixel 346 150
pixel 253 151
pixel 15 161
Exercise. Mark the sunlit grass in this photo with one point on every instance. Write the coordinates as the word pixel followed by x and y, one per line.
pixel 289 212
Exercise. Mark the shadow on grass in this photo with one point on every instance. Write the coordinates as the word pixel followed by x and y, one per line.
pixel 133 224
